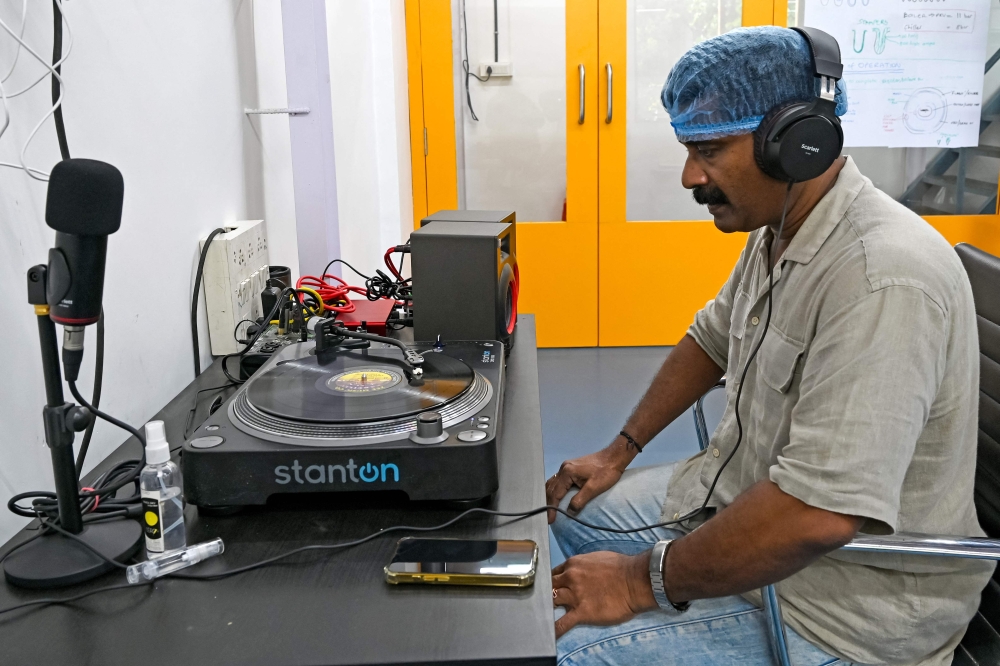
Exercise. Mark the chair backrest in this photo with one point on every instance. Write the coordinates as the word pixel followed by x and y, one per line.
pixel 984 275
pixel 981 644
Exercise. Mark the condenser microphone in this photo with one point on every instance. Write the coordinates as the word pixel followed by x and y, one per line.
pixel 84 206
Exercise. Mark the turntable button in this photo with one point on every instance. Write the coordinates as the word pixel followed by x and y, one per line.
pixel 471 435
pixel 206 442
pixel 484 419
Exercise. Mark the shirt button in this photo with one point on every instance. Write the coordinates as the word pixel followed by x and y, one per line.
pixel 715 452
pixel 755 321
pixel 676 516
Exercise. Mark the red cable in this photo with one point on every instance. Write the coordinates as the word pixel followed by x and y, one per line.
pixel 388 262
pixel 334 295
pixel 97 500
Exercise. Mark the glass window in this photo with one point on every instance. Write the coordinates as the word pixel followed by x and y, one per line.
pixel 659 33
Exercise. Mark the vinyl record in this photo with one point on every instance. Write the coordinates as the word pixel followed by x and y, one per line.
pixel 356 387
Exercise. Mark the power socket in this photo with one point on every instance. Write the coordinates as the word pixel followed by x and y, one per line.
pixel 236 271
pixel 497 69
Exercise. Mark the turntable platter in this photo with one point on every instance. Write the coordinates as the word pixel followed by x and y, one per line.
pixel 357 387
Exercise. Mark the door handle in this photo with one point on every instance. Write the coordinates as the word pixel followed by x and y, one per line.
pixel 583 97
pixel 607 68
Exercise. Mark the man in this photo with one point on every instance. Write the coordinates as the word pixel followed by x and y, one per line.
pixel 858 414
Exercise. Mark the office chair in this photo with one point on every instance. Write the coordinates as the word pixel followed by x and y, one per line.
pixel 981 644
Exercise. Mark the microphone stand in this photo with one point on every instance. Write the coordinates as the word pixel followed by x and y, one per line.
pixel 53 559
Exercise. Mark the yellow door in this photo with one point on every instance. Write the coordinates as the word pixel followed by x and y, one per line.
pixel 526 142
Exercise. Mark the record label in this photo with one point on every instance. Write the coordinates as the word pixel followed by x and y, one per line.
pixel 369 380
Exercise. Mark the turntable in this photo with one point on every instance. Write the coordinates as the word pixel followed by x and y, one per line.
pixel 424 421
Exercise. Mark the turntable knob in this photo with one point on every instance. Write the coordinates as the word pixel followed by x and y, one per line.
pixel 429 425
pixel 430 429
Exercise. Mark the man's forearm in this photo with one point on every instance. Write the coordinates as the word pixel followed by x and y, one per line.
pixel 763 537
pixel 686 374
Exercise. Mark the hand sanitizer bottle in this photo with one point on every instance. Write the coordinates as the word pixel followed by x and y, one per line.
pixel 160 486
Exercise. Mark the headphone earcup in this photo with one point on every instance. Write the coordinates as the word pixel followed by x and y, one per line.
pixel 766 150
pixel 797 142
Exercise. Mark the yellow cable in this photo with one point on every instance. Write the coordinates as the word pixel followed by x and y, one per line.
pixel 315 293
pixel 276 322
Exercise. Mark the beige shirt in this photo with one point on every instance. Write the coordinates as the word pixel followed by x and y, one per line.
pixel 863 400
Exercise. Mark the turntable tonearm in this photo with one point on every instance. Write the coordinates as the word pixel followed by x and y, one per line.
pixel 349 419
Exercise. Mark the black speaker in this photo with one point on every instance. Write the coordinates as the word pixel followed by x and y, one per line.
pixel 465 277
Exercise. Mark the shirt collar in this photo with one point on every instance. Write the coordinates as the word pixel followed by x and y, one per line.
pixel 826 215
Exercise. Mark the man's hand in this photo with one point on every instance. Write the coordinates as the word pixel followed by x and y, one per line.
pixel 684 377
pixel 601 588
pixel 592 474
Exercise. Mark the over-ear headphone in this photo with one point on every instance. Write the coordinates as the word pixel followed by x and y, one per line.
pixel 800 140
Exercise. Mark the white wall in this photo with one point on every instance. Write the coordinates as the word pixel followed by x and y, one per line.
pixel 159 91
pixel 367 42
pixel 155 89
pixel 276 153
pixel 368 89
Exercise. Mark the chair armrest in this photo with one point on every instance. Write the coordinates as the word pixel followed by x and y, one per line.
pixel 927 544
pixel 700 429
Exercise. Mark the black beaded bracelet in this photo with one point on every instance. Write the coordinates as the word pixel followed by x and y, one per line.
pixel 631 441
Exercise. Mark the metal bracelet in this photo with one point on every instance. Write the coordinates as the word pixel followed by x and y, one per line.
pixel 656 561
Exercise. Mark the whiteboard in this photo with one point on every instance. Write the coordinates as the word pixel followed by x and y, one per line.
pixel 913 68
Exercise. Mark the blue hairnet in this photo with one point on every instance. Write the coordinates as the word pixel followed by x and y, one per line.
pixel 724 85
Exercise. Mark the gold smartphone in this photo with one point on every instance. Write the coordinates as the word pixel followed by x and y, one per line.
pixel 463 562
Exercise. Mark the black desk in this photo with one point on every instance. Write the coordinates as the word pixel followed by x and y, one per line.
pixel 319 608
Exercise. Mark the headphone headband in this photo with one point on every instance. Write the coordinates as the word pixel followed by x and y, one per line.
pixel 825 52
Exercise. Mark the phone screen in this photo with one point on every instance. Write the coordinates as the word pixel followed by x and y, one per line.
pixel 457 556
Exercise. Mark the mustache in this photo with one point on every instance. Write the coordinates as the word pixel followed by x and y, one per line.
pixel 707 195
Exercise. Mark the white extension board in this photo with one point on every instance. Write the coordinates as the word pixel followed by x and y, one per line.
pixel 236 271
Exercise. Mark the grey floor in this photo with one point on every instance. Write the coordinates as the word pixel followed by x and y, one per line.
pixel 588 393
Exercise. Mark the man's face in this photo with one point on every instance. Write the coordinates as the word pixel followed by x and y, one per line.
pixel 722 174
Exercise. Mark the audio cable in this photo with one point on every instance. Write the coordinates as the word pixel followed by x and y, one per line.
pixel 275 309
pixel 743 375
pixel 380 285
pixel 218 575
pixel 333 297
pixel 194 299
pixel 99 498
pixel 51 70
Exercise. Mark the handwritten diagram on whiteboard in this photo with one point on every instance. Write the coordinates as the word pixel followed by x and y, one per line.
pixel 913 68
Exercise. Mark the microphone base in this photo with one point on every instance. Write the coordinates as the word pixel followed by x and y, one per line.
pixel 55 560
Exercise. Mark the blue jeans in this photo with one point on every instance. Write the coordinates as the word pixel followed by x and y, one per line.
pixel 729 630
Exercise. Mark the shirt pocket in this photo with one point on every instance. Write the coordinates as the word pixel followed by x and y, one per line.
pixel 779 357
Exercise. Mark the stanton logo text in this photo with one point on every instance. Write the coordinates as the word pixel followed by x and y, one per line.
pixel 811 149
pixel 367 473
